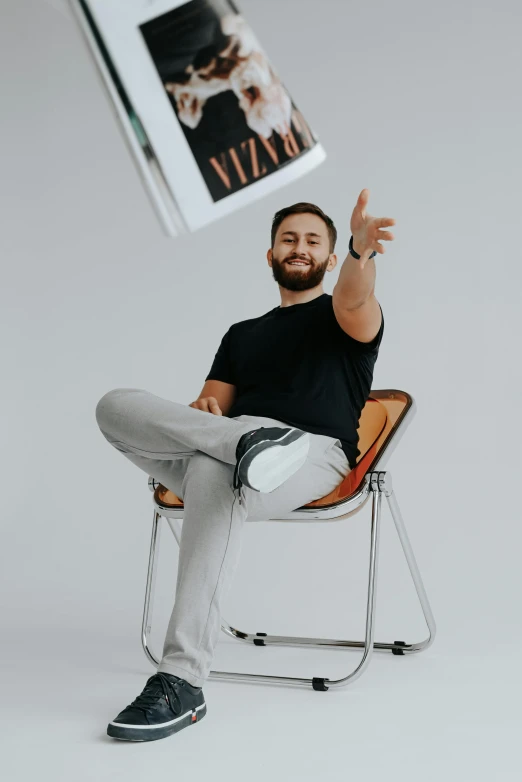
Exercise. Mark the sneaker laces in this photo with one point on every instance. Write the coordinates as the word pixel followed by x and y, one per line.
pixel 158 686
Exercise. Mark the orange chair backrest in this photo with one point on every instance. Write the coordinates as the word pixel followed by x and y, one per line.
pixel 378 417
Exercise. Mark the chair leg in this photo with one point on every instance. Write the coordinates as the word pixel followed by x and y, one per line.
pixel 379 483
pixel 150 587
pixel 415 574
pixel 319 682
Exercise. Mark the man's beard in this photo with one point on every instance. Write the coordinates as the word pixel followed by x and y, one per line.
pixel 298 280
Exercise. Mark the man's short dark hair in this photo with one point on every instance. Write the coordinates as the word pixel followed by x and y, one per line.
pixel 304 208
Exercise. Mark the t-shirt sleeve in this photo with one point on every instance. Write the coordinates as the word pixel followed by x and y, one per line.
pixel 221 368
pixel 365 347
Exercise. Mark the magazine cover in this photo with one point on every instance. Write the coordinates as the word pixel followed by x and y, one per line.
pixel 212 125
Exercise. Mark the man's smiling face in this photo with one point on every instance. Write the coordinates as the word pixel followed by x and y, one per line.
pixel 301 252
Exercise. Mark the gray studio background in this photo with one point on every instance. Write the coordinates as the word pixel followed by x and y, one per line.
pixel 417 101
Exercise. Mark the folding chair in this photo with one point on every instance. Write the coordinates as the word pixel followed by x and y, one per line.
pixel 383 421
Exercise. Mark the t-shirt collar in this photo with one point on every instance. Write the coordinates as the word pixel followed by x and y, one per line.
pixel 304 305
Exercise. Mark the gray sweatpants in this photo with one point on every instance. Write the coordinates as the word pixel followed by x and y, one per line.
pixel 192 453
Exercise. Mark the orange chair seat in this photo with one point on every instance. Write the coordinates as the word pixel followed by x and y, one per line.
pixel 377 418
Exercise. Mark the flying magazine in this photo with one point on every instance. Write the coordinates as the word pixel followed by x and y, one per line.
pixel 208 121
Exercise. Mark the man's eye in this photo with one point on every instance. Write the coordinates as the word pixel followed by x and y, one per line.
pixel 287 240
pixel 314 242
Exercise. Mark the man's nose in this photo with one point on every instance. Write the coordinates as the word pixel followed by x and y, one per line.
pixel 301 247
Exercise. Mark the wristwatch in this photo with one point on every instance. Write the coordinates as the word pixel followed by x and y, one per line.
pixel 356 255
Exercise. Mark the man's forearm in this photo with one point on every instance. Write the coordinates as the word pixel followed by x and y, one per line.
pixel 354 285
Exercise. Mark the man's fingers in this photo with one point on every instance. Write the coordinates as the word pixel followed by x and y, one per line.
pixel 214 407
pixel 200 404
pixel 207 405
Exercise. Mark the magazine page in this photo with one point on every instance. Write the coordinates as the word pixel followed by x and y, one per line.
pixel 223 127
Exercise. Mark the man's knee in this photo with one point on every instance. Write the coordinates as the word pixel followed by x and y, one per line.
pixel 109 404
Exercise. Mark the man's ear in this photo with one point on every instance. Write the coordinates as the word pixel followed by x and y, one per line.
pixel 332 263
pixel 269 257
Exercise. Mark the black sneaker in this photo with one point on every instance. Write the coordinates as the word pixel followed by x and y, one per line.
pixel 166 705
pixel 267 457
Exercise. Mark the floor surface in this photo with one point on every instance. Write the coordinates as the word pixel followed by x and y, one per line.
pixel 434 715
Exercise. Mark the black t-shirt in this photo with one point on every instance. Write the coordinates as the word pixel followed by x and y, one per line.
pixel 297 365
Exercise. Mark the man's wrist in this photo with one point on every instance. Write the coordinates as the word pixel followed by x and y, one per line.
pixel 356 252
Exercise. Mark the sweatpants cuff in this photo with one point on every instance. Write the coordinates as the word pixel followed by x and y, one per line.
pixel 196 681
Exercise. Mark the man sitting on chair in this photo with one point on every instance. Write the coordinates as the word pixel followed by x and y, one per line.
pixel 274 428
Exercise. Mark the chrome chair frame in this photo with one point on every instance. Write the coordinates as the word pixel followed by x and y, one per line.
pixel 375 483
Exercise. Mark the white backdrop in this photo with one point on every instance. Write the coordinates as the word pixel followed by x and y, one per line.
pixel 416 101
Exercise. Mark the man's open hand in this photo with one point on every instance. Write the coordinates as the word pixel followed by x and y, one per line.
pixel 367 230
pixel 208 404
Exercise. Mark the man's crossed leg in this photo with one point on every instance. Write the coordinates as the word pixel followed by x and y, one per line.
pixel 195 455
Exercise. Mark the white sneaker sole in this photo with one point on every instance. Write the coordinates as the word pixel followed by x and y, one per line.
pixel 274 465
pixel 118 730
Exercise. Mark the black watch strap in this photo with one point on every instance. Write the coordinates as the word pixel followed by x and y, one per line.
pixel 356 255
